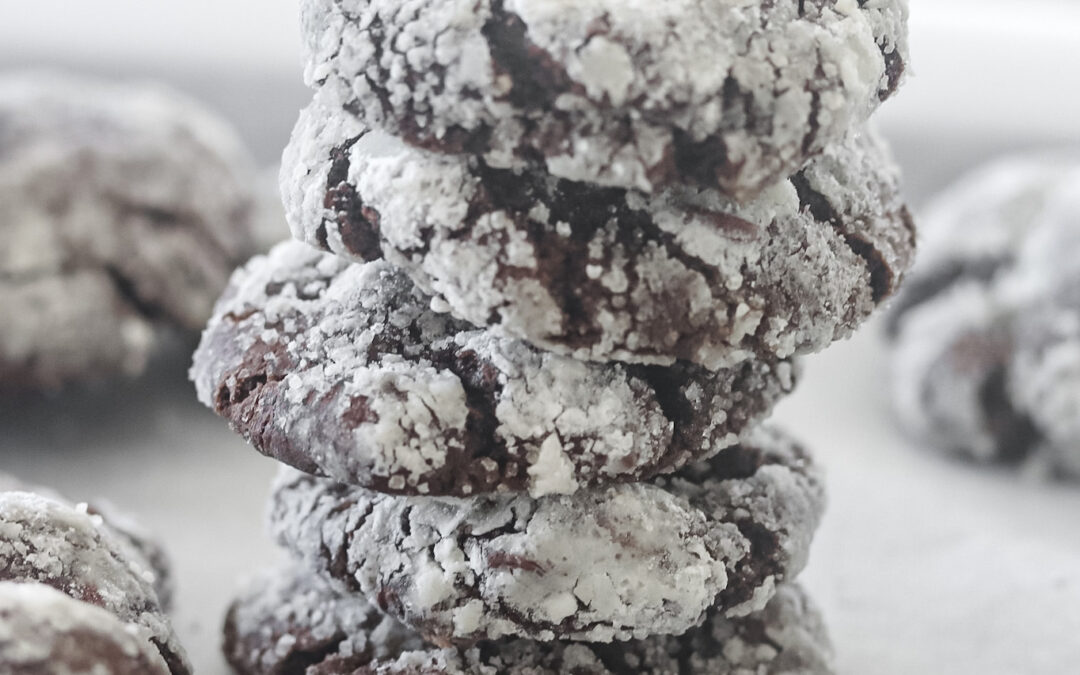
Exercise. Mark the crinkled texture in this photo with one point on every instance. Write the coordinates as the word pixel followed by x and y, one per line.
pixel 601 273
pixel 286 623
pixel 985 338
pixel 344 370
pixel 123 208
pixel 614 92
pixel 72 550
pixel 604 564
pixel 129 531
pixel 44 632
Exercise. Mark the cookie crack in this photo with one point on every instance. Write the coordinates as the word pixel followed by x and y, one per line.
pixel 881 276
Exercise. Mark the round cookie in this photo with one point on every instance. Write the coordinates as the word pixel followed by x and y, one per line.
pixel 286 624
pixel 616 563
pixel 130 532
pixel 67 548
pixel 613 92
pixel 123 208
pixel 974 366
pixel 44 632
pixel 601 273
pixel 344 370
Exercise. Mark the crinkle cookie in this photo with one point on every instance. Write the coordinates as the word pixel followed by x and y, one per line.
pixel 343 370
pixel 122 526
pixel 983 336
pixel 603 273
pixel 287 624
pixel 615 563
pixel 45 632
pixel 73 551
pixel 123 208
pixel 614 92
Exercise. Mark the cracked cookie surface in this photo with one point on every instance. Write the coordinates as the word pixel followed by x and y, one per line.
pixel 602 273
pixel 616 563
pixel 286 623
pixel 344 370
pixel 985 338
pixel 123 208
pixel 613 92
pixel 73 551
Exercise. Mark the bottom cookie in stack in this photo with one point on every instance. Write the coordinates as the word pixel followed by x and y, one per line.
pixel 287 623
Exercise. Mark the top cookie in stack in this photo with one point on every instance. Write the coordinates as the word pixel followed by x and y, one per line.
pixel 730 94
pixel 568 253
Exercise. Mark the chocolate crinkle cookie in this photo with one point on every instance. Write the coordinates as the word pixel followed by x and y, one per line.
pixel 604 273
pixel 108 575
pixel 986 338
pixel 614 563
pixel 733 96
pixel 123 209
pixel 343 370
pixel 287 623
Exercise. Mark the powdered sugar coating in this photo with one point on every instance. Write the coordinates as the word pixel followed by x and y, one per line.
pixel 287 621
pixel 613 92
pixel 44 632
pixel 985 339
pixel 600 273
pixel 975 229
pixel 604 564
pixel 123 207
pixel 344 370
pixel 271 627
pixel 949 366
pixel 1044 375
pixel 66 547
pixel 142 546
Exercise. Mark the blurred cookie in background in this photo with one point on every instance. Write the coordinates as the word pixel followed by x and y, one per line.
pixel 81 591
pixel 986 335
pixel 123 209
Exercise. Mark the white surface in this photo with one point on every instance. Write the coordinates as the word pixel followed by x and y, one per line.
pixel 923 565
pixel 926 565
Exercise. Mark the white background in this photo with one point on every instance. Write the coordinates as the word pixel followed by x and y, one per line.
pixel 923 565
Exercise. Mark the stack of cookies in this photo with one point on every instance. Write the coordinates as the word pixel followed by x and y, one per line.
pixel 555 262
